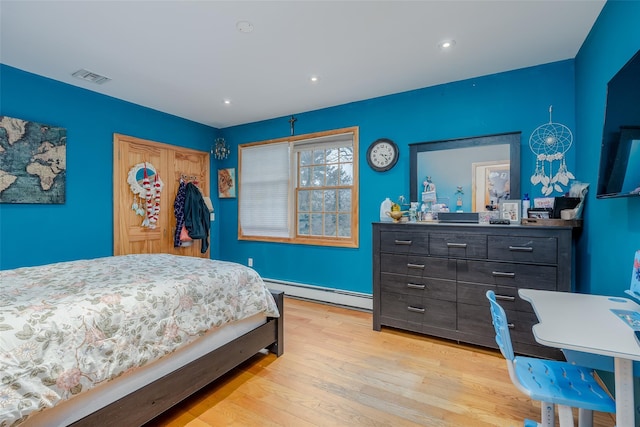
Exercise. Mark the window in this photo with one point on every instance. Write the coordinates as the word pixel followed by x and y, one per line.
pixel 301 189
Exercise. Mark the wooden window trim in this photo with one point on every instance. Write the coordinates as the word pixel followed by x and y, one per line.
pixel 344 242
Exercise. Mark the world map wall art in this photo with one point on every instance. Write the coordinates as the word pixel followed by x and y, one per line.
pixel 33 162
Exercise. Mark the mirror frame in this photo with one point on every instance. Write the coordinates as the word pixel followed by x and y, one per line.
pixel 511 138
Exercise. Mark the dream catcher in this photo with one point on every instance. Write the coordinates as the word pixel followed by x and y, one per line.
pixel 146 187
pixel 549 143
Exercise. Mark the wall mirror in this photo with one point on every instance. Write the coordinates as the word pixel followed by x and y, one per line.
pixel 467 174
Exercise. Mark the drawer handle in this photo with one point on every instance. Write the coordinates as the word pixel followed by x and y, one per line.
pixel 403 242
pixel 421 266
pixel 505 298
pixel 415 286
pixel 521 248
pixel 415 309
pixel 456 245
pixel 503 274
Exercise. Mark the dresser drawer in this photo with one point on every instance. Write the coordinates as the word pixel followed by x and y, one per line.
pixel 542 250
pixel 508 274
pixel 476 319
pixel 410 265
pixel 458 245
pixel 403 242
pixel 403 307
pixel 441 314
pixel 476 294
pixel 419 286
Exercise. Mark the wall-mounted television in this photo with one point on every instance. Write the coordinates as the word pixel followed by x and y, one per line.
pixel 619 174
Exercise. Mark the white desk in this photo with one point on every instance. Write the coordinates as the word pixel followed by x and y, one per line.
pixel 585 323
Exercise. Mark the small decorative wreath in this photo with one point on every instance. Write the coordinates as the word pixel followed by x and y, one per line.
pixel 135 179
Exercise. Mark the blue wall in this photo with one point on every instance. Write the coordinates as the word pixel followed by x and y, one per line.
pixel 511 101
pixel 612 226
pixel 83 226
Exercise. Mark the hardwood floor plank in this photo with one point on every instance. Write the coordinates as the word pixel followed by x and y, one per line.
pixel 337 371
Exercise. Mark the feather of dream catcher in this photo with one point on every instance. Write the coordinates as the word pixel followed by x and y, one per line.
pixel 549 142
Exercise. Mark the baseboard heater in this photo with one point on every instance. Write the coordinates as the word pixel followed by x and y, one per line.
pixel 322 294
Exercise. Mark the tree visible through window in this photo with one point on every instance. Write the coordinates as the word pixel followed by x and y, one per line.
pixel 323 203
pixel 324 192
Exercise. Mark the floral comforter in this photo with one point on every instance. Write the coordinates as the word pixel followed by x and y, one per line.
pixel 70 326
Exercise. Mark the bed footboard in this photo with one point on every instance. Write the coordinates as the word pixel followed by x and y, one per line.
pixel 277 347
pixel 150 401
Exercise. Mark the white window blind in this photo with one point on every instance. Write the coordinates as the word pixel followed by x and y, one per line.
pixel 264 190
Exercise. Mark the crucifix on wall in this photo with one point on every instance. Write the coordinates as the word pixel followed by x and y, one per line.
pixel 292 122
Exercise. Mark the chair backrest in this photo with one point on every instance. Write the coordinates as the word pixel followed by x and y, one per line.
pixel 634 288
pixel 500 324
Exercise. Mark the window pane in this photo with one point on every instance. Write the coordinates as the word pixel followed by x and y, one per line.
pixel 344 200
pixel 303 224
pixel 332 175
pixel 305 158
pixel 318 176
pixel 330 203
pixel 333 154
pixel 346 174
pixel 318 157
pixel 304 201
pixel 317 198
pixel 346 154
pixel 316 224
pixel 330 224
pixel 344 225
pixel 305 177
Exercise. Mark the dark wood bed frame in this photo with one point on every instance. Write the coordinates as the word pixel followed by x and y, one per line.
pixel 150 401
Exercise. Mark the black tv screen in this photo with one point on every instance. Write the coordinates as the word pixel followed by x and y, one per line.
pixel 619 174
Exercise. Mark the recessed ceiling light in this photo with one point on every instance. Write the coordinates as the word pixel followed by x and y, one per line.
pixel 446 44
pixel 244 26
pixel 227 102
pixel 314 79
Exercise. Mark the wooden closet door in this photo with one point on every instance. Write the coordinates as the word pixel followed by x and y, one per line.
pixel 191 165
pixel 129 237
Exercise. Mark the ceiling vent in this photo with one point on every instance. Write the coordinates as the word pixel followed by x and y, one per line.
pixel 91 77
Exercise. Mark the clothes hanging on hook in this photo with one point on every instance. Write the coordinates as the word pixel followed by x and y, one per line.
pixel 178 211
pixel 196 216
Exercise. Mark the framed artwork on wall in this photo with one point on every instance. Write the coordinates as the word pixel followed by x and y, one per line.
pixel 33 168
pixel 227 183
pixel 510 209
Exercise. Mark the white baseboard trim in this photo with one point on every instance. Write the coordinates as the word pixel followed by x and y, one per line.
pixel 322 294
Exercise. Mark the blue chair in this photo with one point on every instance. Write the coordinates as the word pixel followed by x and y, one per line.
pixel 550 382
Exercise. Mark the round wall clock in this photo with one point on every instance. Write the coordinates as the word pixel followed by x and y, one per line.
pixel 382 154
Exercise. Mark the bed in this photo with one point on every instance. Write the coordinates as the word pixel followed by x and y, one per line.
pixel 119 340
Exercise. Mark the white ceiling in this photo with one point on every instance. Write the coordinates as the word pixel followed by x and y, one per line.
pixel 186 57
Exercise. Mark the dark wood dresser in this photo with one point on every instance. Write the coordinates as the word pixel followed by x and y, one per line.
pixel 431 278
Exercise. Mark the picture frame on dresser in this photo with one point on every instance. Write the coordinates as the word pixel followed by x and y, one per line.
pixel 510 209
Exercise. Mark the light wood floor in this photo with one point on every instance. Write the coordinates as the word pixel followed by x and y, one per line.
pixel 337 371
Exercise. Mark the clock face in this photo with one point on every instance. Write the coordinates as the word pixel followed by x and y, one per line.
pixel 382 155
